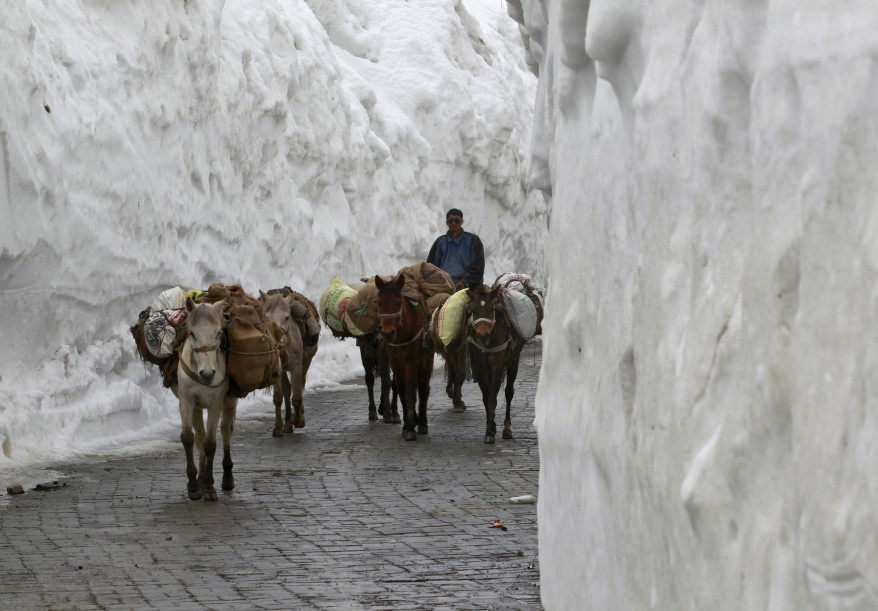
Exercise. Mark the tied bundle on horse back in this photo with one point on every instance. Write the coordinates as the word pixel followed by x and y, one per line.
pixel 252 343
pixel 333 303
pixel 523 301
pixel 160 331
pixel 425 281
pixel 253 360
pixel 167 364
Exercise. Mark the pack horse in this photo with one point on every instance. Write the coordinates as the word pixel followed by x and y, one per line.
pixel 203 385
pixel 403 323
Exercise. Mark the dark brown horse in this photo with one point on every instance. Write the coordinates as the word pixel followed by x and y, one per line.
pixel 374 359
pixel 494 351
pixel 403 324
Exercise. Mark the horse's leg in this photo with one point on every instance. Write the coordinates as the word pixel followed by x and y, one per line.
pixel 425 372
pixel 394 387
pixel 198 425
pixel 369 370
pixel 227 426
pixel 281 395
pixel 494 373
pixel 511 374
pixel 449 375
pixel 298 382
pixel 389 388
pixel 459 360
pixel 213 418
pixel 408 390
pixel 187 437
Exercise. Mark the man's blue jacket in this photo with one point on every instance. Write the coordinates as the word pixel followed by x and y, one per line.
pixel 463 258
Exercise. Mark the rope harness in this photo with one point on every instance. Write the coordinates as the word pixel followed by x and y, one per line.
pixel 194 376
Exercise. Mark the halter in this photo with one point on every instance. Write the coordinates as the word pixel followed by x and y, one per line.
pixel 389 315
pixel 491 322
pixel 195 377
pixel 398 314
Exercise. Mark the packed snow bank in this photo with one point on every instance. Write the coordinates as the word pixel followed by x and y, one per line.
pixel 706 406
pixel 149 145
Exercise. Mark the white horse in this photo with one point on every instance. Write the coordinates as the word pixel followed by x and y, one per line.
pixel 298 359
pixel 202 384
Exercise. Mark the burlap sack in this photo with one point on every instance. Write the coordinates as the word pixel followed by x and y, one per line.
pixel 362 309
pixel 425 280
pixel 253 357
pixel 333 302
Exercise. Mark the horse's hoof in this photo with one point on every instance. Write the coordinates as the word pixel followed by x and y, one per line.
pixel 397 419
pixel 228 483
pixel 409 436
pixel 194 495
pixel 288 427
pixel 300 423
pixel 373 416
pixel 422 429
pixel 388 419
pixel 507 434
pixel 277 433
pixel 489 439
pixel 459 408
pixel 210 494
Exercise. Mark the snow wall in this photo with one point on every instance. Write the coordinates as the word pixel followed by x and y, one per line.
pixel 707 404
pixel 148 144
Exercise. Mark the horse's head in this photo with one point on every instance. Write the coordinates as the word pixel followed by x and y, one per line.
pixel 277 308
pixel 205 324
pixel 481 312
pixel 390 304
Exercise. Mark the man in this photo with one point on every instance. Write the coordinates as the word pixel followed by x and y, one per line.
pixel 459 253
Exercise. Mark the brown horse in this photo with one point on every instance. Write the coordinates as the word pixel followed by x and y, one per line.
pixel 286 311
pixel 403 323
pixel 494 351
pixel 202 384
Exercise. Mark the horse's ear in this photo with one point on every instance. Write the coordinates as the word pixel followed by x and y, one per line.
pixel 399 281
pixel 379 283
pixel 221 306
pixel 262 295
pixel 190 305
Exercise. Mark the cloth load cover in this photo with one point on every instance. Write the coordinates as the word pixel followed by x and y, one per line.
pixel 522 312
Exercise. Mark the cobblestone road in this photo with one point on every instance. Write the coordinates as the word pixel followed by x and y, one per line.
pixel 340 515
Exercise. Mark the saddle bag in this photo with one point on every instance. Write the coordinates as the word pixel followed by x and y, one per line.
pixel 450 317
pixel 253 358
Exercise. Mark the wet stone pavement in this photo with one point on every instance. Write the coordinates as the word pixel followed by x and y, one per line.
pixel 342 514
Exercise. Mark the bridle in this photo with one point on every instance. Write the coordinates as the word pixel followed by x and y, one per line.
pixel 490 322
pixel 398 314
pixel 195 377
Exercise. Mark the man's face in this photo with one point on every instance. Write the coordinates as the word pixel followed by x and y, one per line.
pixel 455 225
